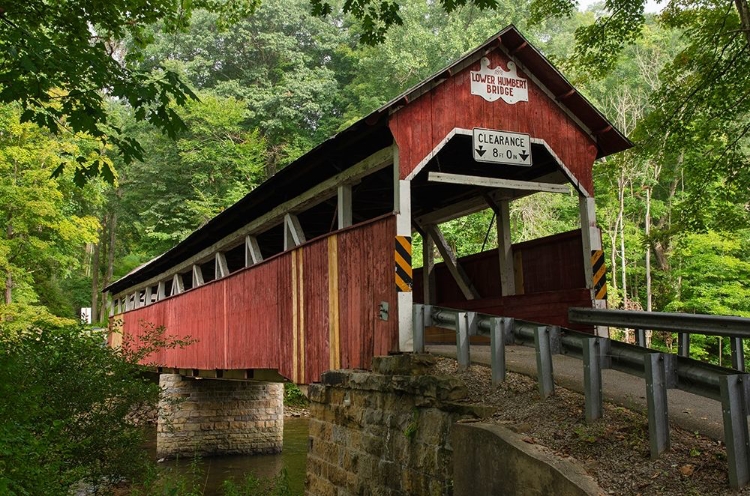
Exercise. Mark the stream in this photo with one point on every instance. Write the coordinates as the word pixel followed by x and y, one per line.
pixel 293 457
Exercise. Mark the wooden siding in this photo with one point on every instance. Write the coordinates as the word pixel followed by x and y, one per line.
pixel 302 312
pixel 553 280
pixel 420 126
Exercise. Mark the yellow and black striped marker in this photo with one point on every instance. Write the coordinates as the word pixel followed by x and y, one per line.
pixel 403 264
pixel 600 274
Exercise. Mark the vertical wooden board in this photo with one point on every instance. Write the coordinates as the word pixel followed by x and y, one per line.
pixel 198 314
pixel 424 139
pixel 344 260
pixel 534 114
pixel 408 126
pixel 365 279
pixel 396 124
pixel 537 126
pixel 316 307
pixel 542 267
pixel 460 114
pixel 421 127
pixel 386 332
pixel 135 326
pixel 442 110
pixel 483 270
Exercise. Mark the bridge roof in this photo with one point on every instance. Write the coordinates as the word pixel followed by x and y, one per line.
pixel 371 134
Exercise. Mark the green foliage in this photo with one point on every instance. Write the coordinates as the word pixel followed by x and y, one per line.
pixel 69 411
pixel 280 64
pixel 253 486
pixel 411 428
pixel 41 235
pixel 376 18
pixel 714 269
pixel 184 183
pixel 428 40
pixel 59 62
pixel 170 482
pixel 293 396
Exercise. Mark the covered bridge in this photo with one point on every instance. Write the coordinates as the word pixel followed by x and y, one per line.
pixel 312 270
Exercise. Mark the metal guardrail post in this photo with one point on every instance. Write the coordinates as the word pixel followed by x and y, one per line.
pixel 428 322
pixel 734 396
pixel 683 344
pixel 509 330
pixel 472 319
pixel 418 323
pixel 738 354
pixel 497 349
pixel 555 339
pixel 592 378
pixel 462 340
pixel 544 361
pixel 656 399
pixel 640 335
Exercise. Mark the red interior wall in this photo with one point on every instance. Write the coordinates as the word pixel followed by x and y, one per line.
pixel 553 281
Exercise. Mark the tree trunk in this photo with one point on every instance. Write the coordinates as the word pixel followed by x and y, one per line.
pixel 8 287
pixel 95 278
pixel 647 228
pixel 621 222
pixel 110 249
pixel 621 214
pixel 648 260
pixel 8 273
pixel 744 11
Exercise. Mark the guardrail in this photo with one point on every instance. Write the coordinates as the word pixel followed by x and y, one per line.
pixel 734 328
pixel 661 371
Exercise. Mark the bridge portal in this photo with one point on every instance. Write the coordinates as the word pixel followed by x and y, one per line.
pixel 313 270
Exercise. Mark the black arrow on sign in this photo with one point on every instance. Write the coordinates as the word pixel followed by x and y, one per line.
pixel 480 151
pixel 523 155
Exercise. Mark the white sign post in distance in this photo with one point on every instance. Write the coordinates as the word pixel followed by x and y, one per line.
pixel 501 147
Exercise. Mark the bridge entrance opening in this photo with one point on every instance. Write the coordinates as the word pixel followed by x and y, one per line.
pixel 534 273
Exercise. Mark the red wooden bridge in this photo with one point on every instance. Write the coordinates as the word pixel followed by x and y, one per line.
pixel 312 270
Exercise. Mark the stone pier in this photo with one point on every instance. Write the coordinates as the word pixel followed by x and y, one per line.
pixel 219 417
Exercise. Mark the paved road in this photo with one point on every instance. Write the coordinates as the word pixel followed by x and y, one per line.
pixel 689 411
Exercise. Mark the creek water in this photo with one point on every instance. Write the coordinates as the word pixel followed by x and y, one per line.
pixel 293 458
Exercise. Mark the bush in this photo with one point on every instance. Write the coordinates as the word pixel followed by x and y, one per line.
pixel 293 396
pixel 68 411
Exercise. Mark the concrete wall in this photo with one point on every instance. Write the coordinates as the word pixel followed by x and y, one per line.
pixel 219 417
pixel 385 432
pixel 490 460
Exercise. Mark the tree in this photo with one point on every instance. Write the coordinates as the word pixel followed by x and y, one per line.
pixel 183 184
pixel 60 60
pixel 377 17
pixel 73 408
pixel 281 63
pixel 43 232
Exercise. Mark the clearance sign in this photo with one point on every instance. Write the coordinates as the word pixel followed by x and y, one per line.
pixel 494 84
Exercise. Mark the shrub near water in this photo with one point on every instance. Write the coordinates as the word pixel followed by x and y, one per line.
pixel 293 396
pixel 68 408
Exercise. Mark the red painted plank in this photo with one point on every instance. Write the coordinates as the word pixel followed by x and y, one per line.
pixel 245 321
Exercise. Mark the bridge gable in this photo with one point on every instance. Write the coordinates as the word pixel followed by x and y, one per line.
pixel 424 123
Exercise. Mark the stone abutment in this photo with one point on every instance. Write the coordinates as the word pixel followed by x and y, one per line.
pixel 219 417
